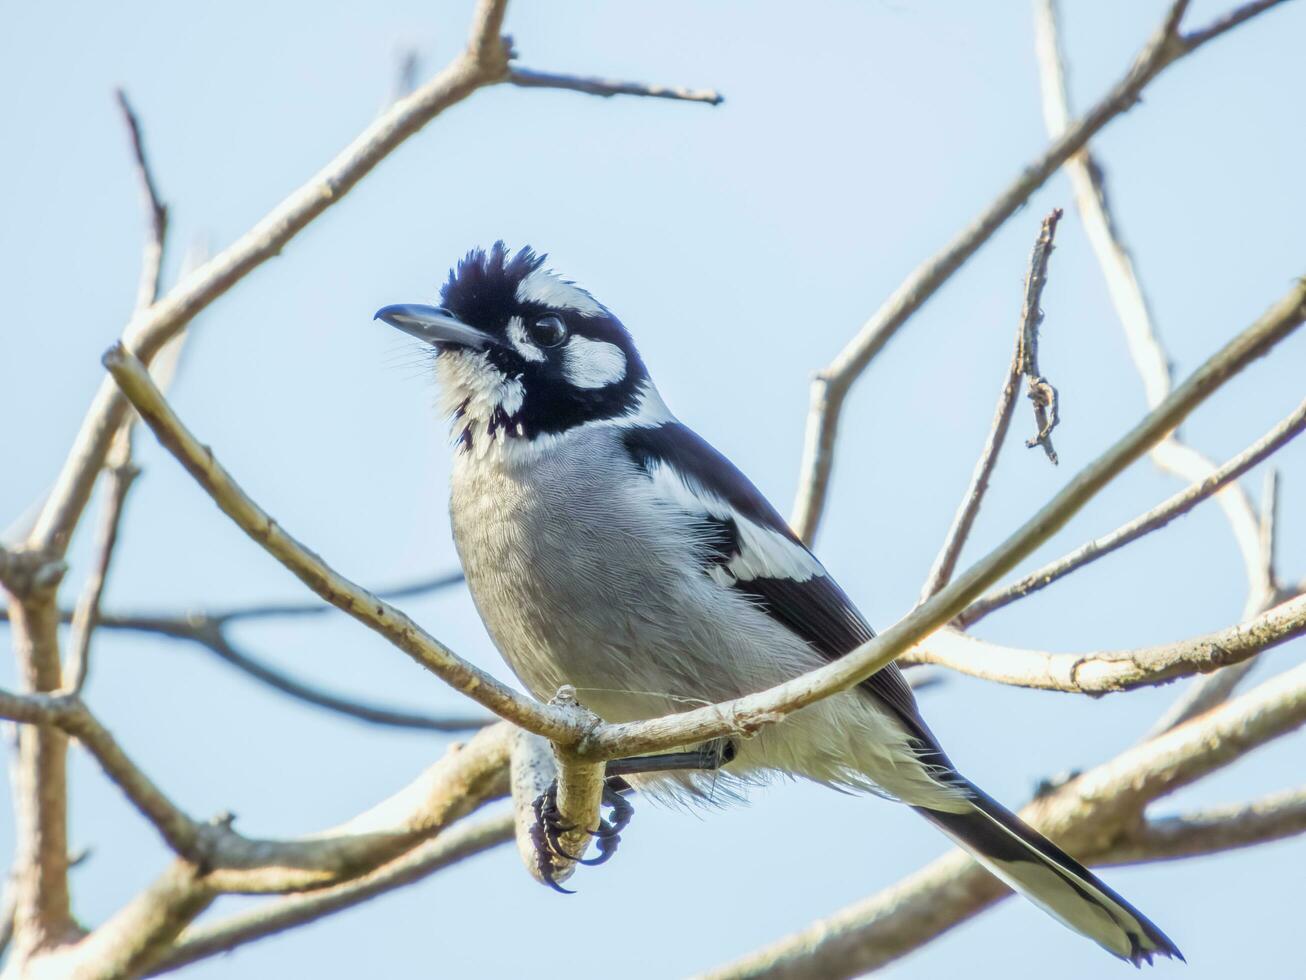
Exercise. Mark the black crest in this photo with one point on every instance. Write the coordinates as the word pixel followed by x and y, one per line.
pixel 483 291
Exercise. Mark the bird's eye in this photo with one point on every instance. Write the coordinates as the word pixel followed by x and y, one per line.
pixel 549 331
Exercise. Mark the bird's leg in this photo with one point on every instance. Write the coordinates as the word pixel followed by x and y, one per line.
pixel 549 827
pixel 707 757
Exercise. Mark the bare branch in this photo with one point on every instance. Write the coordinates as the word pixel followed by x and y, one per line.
pixel 87 613
pixel 70 716
pixel 484 62
pixel 607 87
pixel 1228 22
pixel 744 715
pixel 1038 388
pixel 408 62
pixel 1269 526
pixel 467 776
pixel 156 212
pixel 409 590
pixel 1031 316
pixel 394 625
pixel 1153 520
pixel 43 917
pixel 1107 671
pixel 1087 816
pixel 215 641
pixel 1171 454
pixel 209 632
pixel 1269 818
pixel 463 840
pixel 831 386
pixel 131 940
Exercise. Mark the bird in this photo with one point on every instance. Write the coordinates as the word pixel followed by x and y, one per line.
pixel 609 547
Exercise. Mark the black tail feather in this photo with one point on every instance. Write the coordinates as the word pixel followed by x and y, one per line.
pixel 1031 864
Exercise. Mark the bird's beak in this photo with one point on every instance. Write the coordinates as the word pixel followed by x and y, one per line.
pixel 433 325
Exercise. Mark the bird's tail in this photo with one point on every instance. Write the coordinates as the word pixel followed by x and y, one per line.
pixel 1050 878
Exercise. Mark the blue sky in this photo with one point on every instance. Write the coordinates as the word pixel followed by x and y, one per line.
pixel 742 245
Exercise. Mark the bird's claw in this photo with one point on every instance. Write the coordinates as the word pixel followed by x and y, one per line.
pixel 549 829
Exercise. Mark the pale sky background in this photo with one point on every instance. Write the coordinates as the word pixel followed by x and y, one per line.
pixel 742 245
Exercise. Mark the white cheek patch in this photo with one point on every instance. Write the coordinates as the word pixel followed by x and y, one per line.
pixel 592 363
pixel 521 343
pixel 544 287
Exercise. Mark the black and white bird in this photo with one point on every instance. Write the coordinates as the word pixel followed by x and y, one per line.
pixel 609 547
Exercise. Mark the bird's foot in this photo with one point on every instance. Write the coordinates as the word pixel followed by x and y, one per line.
pixel 550 828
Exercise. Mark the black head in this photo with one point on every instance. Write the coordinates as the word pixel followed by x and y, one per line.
pixel 522 352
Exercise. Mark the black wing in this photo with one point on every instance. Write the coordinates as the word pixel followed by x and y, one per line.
pixel 812 606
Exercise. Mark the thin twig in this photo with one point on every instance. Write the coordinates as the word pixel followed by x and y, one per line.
pixel 408 590
pixel 408 64
pixel 830 387
pixel 215 640
pixel 1148 353
pixel 1269 528
pixel 1153 520
pixel 1030 319
pixel 87 614
pixel 209 632
pixel 1038 388
pixel 607 87
pixel 1107 671
pixel 156 212
pixel 484 62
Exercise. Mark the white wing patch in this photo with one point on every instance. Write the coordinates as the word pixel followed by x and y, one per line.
pixel 592 363
pixel 763 552
pixel 546 287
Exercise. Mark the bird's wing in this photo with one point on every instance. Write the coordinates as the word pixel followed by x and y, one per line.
pixel 748 546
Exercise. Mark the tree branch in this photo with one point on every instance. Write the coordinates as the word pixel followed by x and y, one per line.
pixel 1270 818
pixel 216 642
pixel 131 940
pixel 1153 520
pixel 87 614
pixel 1087 816
pixel 156 212
pixel 1149 355
pixel 484 62
pixel 43 914
pixel 552 722
pixel 744 715
pixel 1031 317
pixel 465 839
pixel 467 776
pixel 830 388
pixel 1038 389
pixel 1107 671
pixel 209 632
